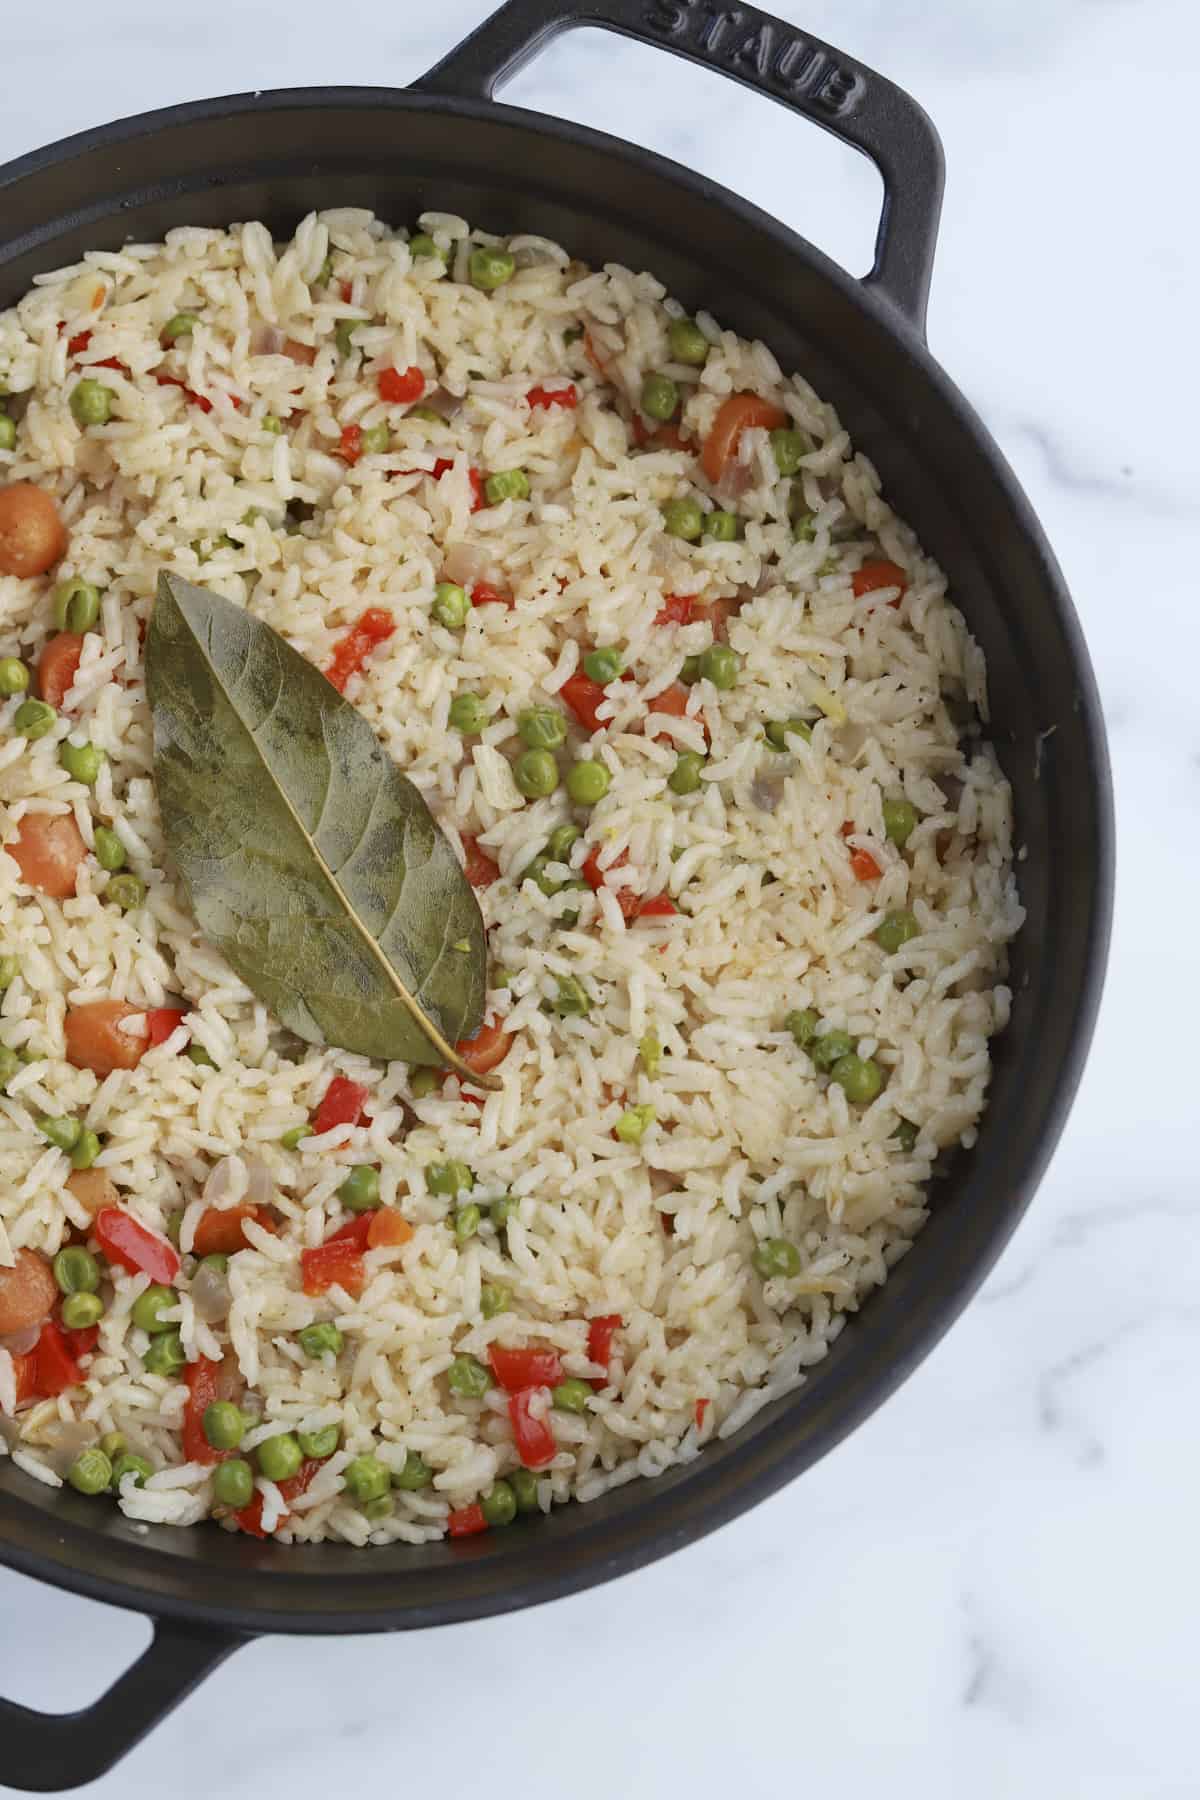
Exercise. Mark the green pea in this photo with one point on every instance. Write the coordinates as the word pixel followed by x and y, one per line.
pixel 633 1124
pixel 197 1054
pixel 110 851
pixel 777 732
pixel 10 968
pixel 174 1226
pixel 450 605
pixel 14 676
pixel 722 527
pixel 561 842
pixel 320 1444
pixel 91 403
pixel 375 440
pixel 78 1311
pixel 448 1177
pixel 603 665
pixel 899 821
pixel 506 484
pixel 233 1483
pixel 343 335
pixel 524 1484
pixel 541 728
pixel 535 773
pixel 499 1504
pixel 489 269
pixel 468 714
pixel 414 1475
pixel 468 1378
pixel 501 1210
pixel 33 719
pixel 466 1223
pixel 588 782
pixel 10 1062
pixel 166 1355
pixel 494 1299
pixel 82 762
pixel 571 1001
pixel 279 1457
pixel 719 664
pixel 804 528
pixel 149 1307
pixel 685 776
pixel 324 274
pixel 895 929
pixel 126 891
pixel 659 397
pixel 76 605
pixel 423 1082
pixel 271 424
pixel 826 1050
pixel 182 325
pixel 906 1135
pixel 423 245
pixel 360 1190
pixel 776 1256
pixel 572 334
pixel 295 1135
pixel 114 1444
pixel 130 1464
pixel 571 1395
pixel 91 1472
pixel 428 415
pixel 860 1078
pixel 650 1052
pixel 224 1425
pixel 689 670
pixel 688 343
pixel 62 1133
pixel 8 432
pixel 788 447
pixel 76 1271
pixel 803 1026
pixel 382 1507
pixel 683 519
pixel 317 1340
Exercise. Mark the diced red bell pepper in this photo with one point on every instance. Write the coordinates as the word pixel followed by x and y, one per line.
pixel 350 443
pixel 125 1241
pixel 662 437
pixel 676 609
pixel 220 1232
pixel 702 1407
pixel 484 594
pixel 444 464
pixel 111 362
pixel 250 1517
pixel 355 1232
pixel 631 904
pixel 583 696
pixel 879 574
pixel 79 343
pixel 562 396
pixel 350 652
pixel 337 1263
pixel 341 1104
pixel 206 1382
pixel 657 906
pixel 25 1376
pixel 479 870
pixel 466 1521
pixel 189 393
pixel 536 1445
pixel 81 1340
pixel 161 1021
pixel 527 1368
pixel 864 866
pixel 400 387
pixel 601 1332
pixel 387 1229
pixel 345 289
pixel 55 1369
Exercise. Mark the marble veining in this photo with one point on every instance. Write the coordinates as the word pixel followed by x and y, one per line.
pixel 991 1589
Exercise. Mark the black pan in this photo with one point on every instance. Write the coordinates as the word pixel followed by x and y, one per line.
pixel 444 143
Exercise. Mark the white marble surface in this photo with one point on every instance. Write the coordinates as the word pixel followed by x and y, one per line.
pixel 992 1589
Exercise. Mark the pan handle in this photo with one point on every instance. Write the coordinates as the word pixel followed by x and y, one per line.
pixel 44 1753
pixel 832 89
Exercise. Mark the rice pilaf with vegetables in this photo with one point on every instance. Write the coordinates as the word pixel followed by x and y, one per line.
pixel 697 719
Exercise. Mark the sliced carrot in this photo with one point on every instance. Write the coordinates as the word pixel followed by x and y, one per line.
pixel 864 866
pixel 737 414
pixel 388 1229
pixel 879 574
pixel 483 1052
pixel 94 1040
pixel 48 851
pixel 58 666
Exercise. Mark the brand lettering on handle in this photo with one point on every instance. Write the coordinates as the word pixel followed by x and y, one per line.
pixel 743 42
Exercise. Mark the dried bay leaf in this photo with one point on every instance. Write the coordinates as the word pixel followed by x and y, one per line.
pixel 311 863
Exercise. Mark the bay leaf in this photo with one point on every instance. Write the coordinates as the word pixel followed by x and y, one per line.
pixel 310 861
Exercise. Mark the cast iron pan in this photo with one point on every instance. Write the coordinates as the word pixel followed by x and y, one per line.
pixel 444 143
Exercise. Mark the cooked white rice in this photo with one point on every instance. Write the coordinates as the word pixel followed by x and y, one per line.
pixel 749 1141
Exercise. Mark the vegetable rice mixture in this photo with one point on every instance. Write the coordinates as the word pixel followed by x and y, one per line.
pixel 694 716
